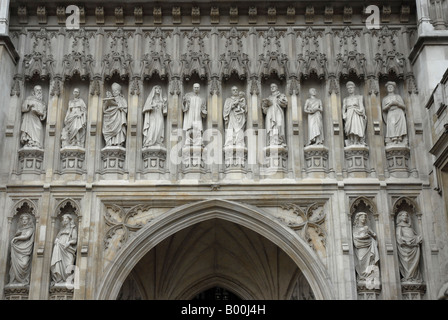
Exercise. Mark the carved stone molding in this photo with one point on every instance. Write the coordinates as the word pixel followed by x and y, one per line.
pixel 154 159
pixel 16 292
pixel 413 291
pixel 193 159
pixel 316 158
pixel 235 159
pixel 31 160
pixel 356 158
pixel 398 161
pixel 61 292
pixel 113 159
pixel 276 160
pixel 72 160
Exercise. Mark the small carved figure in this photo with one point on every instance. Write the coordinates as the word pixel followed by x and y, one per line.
pixel 21 250
pixel 156 106
pixel 408 249
pixel 194 108
pixel 114 119
pixel 354 115
pixel 75 123
pixel 275 118
pixel 313 107
pixel 394 107
pixel 235 110
pixel 64 250
pixel 366 251
pixel 34 112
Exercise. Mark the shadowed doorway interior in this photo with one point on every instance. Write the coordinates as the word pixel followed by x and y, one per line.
pixel 216 294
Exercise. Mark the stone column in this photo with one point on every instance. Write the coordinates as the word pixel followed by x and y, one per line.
pixel 4 17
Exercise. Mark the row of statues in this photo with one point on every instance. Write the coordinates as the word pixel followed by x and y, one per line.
pixel 364 240
pixel 195 109
pixel 367 255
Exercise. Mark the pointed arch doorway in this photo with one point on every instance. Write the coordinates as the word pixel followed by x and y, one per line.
pixel 216 244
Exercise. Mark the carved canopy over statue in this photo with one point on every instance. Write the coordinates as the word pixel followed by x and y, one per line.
pixel 154 110
pixel 34 112
pixel 235 110
pixel 275 119
pixel 21 250
pixel 354 115
pixel 75 123
pixel 115 117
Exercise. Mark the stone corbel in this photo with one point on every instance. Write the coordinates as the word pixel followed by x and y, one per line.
pixel 233 15
pixel 214 15
pixel 42 14
pixel 99 14
pixel 176 13
pixel 309 14
pixel 252 15
pixel 291 15
pixel 348 12
pixel 23 14
pixel 328 14
pixel 138 15
pixel 272 15
pixel 157 13
pixel 404 13
pixel 119 16
pixel 385 16
pixel 195 15
pixel 60 13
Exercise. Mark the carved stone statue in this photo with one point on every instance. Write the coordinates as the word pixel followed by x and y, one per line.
pixel 21 250
pixel 154 123
pixel 114 117
pixel 354 115
pixel 366 251
pixel 313 107
pixel 393 105
pixel 408 242
pixel 194 108
pixel 235 110
pixel 64 250
pixel 275 118
pixel 34 112
pixel 75 123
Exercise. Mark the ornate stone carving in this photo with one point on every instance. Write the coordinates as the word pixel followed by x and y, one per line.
pixel 176 13
pixel 40 61
pixel 157 13
pixel 252 15
pixel 23 14
pixel 272 107
pixel 194 108
pixel 195 60
pixel 309 14
pixel 34 111
pixel 195 15
pixel 119 16
pixel 328 14
pixel 99 15
pixel 157 60
pixel 214 15
pixel 115 117
pixel 272 61
pixel 347 16
pixel 313 107
pixel 154 110
pixel 290 15
pixel 72 159
pixel 234 61
pixel 272 15
pixel 41 14
pixel 138 14
pixel 394 115
pixel 233 13
pixel 75 122
pixel 308 222
pixel 118 61
pixel 354 115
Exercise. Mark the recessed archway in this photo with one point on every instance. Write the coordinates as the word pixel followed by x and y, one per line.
pixel 188 220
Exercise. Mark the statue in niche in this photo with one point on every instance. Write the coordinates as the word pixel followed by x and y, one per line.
pixel 275 118
pixel 194 108
pixel 75 123
pixel 154 110
pixel 34 112
pixel 235 110
pixel 366 252
pixel 313 107
pixel 114 117
pixel 354 115
pixel 408 244
pixel 64 250
pixel 21 250
pixel 394 108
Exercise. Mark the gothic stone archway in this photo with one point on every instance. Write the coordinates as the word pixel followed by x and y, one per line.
pixel 189 221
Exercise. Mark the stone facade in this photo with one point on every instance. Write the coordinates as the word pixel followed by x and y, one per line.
pixel 170 150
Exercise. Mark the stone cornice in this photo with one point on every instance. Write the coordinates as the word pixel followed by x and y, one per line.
pixel 6 41
pixel 439 39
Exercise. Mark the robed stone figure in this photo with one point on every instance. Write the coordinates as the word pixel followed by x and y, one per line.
pixel 64 250
pixel 194 108
pixel 354 115
pixel 114 117
pixel 366 251
pixel 34 112
pixel 154 110
pixel 234 113
pixel 313 107
pixel 273 107
pixel 408 245
pixel 75 122
pixel 21 250
pixel 394 108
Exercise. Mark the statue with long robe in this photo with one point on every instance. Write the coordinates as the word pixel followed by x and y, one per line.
pixel 114 117
pixel 354 115
pixel 366 252
pixel 75 122
pixel 273 107
pixel 393 105
pixel 194 108
pixel 154 110
pixel 234 113
pixel 34 112
pixel 64 250
pixel 408 245
pixel 313 107
pixel 21 250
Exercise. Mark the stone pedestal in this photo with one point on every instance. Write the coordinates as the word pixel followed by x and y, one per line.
pixel 235 162
pixel 72 159
pixel 61 292
pixel 113 159
pixel 276 161
pixel 16 292
pixel 31 160
pixel 412 290
pixel 397 157
pixel 356 157
pixel 367 292
pixel 154 159
pixel 316 160
pixel 193 164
